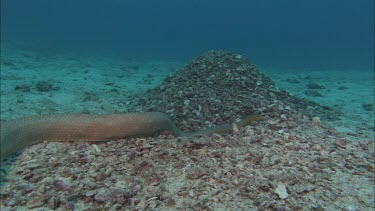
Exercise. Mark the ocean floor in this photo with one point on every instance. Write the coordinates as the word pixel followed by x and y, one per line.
pixel 350 91
pixel 297 163
pixel 37 83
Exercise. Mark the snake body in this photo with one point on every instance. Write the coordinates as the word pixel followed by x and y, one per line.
pixel 22 132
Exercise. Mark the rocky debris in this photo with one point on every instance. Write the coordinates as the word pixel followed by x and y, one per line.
pixel 46 86
pixel 314 86
pixel 218 87
pixel 22 88
pixel 368 106
pixel 289 163
pixel 312 93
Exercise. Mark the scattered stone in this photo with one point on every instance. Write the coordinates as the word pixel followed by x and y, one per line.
pixel 22 88
pixel 312 93
pixel 90 97
pixel 102 196
pixel 314 86
pixel 281 191
pixel 368 106
pixel 342 88
pixel 45 86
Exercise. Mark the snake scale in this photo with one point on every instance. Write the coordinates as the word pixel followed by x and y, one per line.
pixel 22 132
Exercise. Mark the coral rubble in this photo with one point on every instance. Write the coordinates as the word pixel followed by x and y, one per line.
pixel 288 161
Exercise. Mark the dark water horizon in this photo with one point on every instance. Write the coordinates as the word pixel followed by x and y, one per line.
pixel 271 33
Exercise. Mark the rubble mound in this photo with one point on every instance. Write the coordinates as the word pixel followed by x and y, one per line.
pixel 219 87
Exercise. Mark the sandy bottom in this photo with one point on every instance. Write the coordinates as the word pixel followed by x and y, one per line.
pixel 344 89
pixel 90 84
pixel 298 166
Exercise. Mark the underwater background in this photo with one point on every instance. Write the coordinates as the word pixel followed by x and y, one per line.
pixel 290 33
pixel 268 105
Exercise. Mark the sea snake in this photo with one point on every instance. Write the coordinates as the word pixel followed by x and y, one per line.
pixel 22 132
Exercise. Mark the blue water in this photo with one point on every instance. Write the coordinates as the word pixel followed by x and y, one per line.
pixel 276 33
